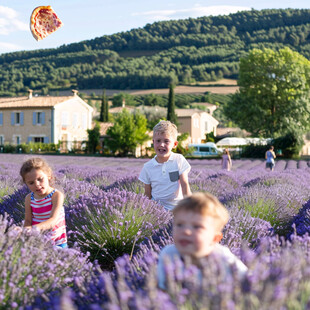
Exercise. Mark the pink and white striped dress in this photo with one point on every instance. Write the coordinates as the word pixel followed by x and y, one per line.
pixel 41 211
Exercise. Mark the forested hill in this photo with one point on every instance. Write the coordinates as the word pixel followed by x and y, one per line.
pixel 182 51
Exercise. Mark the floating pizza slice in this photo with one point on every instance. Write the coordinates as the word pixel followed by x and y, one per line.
pixel 43 22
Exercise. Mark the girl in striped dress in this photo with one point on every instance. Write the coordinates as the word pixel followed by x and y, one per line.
pixel 44 205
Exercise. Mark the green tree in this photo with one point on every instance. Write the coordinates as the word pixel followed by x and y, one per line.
pixel 180 148
pixel 123 98
pixel 104 110
pixel 290 144
pixel 128 132
pixel 153 115
pixel 153 100
pixel 274 93
pixel 171 116
pixel 93 138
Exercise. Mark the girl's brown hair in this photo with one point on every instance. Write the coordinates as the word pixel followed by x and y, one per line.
pixel 38 164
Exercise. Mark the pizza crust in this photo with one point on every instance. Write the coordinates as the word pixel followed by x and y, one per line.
pixel 43 22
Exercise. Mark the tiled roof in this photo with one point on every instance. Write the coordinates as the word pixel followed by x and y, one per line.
pixel 39 101
pixel 191 112
pixel 104 127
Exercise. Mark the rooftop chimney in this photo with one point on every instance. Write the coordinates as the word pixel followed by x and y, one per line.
pixel 75 92
pixel 30 93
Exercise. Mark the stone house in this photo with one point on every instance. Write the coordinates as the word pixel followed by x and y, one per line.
pixel 45 119
pixel 197 123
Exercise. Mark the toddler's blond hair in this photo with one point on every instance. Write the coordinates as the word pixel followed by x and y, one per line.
pixel 206 205
pixel 166 127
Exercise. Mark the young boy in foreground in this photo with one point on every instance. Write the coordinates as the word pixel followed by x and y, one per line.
pixel 197 231
pixel 165 177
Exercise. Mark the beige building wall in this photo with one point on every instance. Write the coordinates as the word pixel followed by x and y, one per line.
pixel 208 124
pixel 184 125
pixel 191 124
pixel 72 119
pixel 197 134
pixel 306 148
pixel 65 120
pixel 10 132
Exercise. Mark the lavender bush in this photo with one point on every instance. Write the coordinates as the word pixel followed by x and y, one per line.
pixel 300 224
pixel 278 278
pixel 108 217
pixel 110 224
pixel 13 205
pixel 31 266
pixel 131 184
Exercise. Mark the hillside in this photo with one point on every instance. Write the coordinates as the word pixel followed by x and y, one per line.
pixel 183 52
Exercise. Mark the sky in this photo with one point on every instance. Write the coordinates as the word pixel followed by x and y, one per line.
pixel 88 19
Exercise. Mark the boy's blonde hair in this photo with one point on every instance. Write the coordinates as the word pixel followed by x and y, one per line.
pixel 206 205
pixel 38 164
pixel 166 127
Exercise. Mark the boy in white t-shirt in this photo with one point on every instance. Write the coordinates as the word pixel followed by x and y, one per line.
pixel 165 177
pixel 197 230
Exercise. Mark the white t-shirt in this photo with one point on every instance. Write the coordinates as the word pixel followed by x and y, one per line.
pixel 227 259
pixel 164 179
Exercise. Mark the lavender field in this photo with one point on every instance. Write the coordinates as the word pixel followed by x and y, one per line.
pixel 115 234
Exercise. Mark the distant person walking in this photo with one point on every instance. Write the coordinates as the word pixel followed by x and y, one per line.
pixel 270 156
pixel 226 160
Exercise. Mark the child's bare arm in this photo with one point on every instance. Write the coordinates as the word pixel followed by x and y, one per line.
pixel 28 213
pixel 184 184
pixel 57 201
pixel 148 190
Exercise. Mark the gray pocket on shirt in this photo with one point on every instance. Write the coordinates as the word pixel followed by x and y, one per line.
pixel 174 176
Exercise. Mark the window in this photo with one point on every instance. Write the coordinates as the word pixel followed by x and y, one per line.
pixel 18 140
pixel 75 123
pixel 38 118
pixel 17 118
pixel 38 140
pixel 1 119
pixel 204 149
pixel 196 123
pixel 1 140
pixel 64 119
pixel 84 121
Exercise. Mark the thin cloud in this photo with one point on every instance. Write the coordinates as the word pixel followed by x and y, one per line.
pixel 8 47
pixel 192 12
pixel 9 21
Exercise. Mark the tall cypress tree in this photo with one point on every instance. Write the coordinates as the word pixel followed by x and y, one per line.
pixel 171 116
pixel 104 110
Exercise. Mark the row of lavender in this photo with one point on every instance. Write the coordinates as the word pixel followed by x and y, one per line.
pixel 111 225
